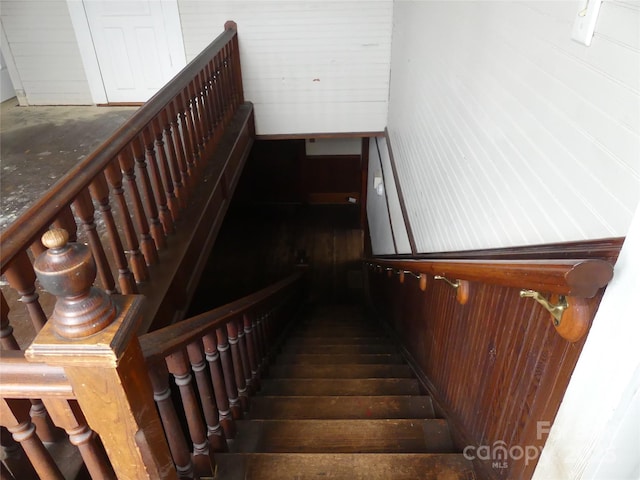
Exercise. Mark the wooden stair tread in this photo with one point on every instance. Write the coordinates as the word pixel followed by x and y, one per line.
pixel 339 349
pixel 339 386
pixel 341 407
pixel 302 466
pixel 345 370
pixel 372 358
pixel 343 436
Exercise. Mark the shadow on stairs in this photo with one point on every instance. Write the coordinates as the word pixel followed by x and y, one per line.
pixel 340 403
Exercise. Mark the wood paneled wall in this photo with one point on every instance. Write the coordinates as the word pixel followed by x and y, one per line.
pixel 495 365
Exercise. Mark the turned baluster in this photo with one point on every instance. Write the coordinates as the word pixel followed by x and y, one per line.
pixel 238 370
pixel 178 128
pixel 200 93
pixel 67 221
pixel 159 376
pixel 7 340
pixel 158 180
pixel 244 357
pixel 191 132
pixel 85 210
pixel 209 96
pixel 226 84
pixel 21 278
pixel 229 373
pixel 259 339
pixel 138 266
pixel 231 94
pixel 252 351
pixel 147 243
pixel 210 343
pixel 67 414
pixel 100 192
pixel 15 459
pixel 178 172
pixel 217 98
pixel 157 232
pixel 15 416
pixel 93 337
pixel 196 112
pixel 215 433
pixel 178 366
pixel 167 178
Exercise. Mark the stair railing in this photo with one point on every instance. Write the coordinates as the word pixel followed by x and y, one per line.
pixel 114 392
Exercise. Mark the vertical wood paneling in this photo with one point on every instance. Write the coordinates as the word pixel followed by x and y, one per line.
pixel 43 45
pixel 308 66
pixel 505 132
pixel 495 365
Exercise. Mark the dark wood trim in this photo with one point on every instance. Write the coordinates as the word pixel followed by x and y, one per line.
pixel 605 248
pixel 364 172
pixel 304 136
pixel 120 104
pixel 403 206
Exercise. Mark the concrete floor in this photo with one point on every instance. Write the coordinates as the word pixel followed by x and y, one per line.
pixel 39 144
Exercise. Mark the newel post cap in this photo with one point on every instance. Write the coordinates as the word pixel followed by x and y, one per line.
pixel 67 270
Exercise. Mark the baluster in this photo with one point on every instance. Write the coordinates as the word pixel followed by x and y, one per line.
pixel 15 416
pixel 219 389
pixel 244 356
pixel 228 91
pixel 237 69
pixel 215 433
pixel 229 75
pixel 158 180
pixel 178 173
pixel 147 243
pixel 259 340
pixel 100 192
pixel 197 121
pixel 262 332
pixel 15 460
pixel 67 221
pixel 217 98
pixel 191 132
pixel 21 278
pixel 138 266
pixel 238 370
pixel 200 92
pixel 202 454
pixel 157 233
pixel 184 158
pixel 209 96
pixel 173 430
pixel 229 374
pixel 67 414
pixel 85 210
pixel 167 172
pixel 252 351
pixel 7 340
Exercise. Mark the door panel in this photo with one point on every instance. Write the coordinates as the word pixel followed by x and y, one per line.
pixel 136 51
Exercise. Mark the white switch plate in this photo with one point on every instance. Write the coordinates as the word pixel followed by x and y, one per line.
pixel 585 22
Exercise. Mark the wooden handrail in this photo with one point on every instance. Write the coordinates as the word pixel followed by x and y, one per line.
pixel 577 278
pixel 160 343
pixel 27 228
pixel 24 379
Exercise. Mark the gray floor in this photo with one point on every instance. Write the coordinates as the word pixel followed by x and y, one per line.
pixel 39 144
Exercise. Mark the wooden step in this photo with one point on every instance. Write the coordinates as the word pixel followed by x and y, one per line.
pixel 341 407
pixel 340 371
pixel 310 359
pixel 345 331
pixel 292 347
pixel 339 386
pixel 343 466
pixel 343 436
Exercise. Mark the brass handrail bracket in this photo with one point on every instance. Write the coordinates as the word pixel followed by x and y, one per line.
pixel 461 287
pixel 556 310
pixel 455 284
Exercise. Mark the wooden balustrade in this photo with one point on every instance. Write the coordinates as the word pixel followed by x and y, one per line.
pixel 497 363
pixel 145 182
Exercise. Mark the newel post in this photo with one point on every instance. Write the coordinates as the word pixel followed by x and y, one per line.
pixel 93 336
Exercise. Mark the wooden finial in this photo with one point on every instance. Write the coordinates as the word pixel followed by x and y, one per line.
pixel 67 270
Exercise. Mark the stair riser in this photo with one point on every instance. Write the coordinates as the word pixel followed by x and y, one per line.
pixel 340 371
pixel 315 359
pixel 306 387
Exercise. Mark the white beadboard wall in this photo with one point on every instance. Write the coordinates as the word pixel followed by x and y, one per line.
pixel 386 238
pixel 308 66
pixel 45 51
pixel 505 131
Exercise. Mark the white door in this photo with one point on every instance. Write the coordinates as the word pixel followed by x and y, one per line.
pixel 138 45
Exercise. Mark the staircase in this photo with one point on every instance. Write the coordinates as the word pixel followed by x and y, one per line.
pixel 339 402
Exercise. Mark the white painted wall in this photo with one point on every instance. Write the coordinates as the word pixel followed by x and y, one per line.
pixel 308 66
pixel 505 131
pixel 386 224
pixel 43 47
pixel 596 434
pixel 6 87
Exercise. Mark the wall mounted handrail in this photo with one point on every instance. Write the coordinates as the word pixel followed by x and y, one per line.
pixel 576 278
